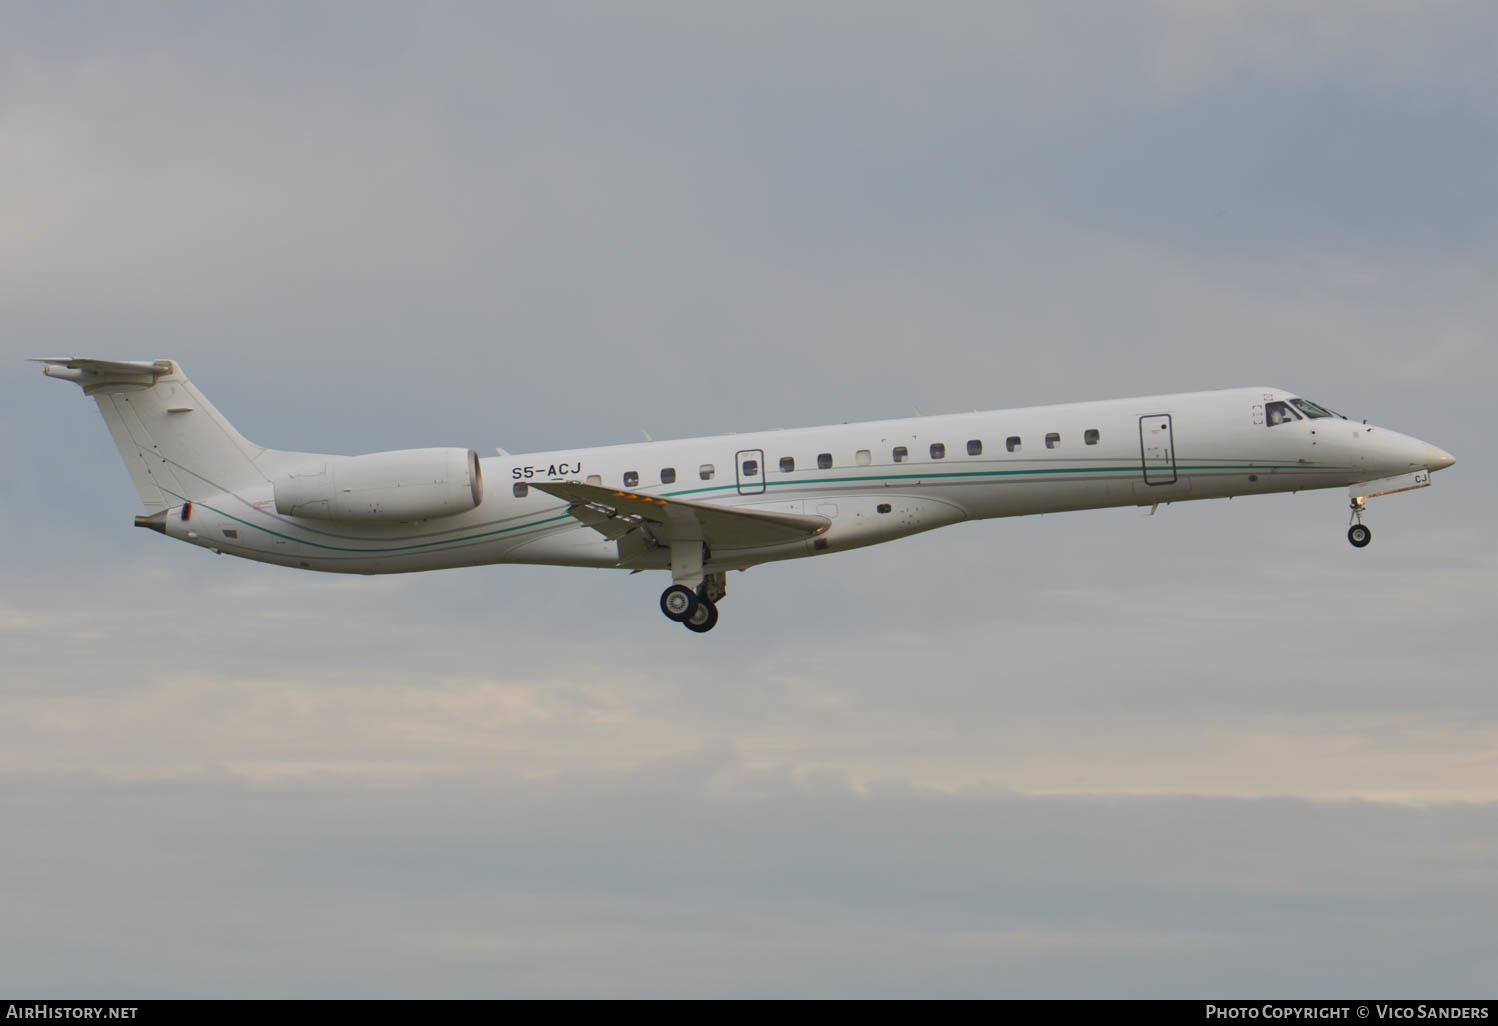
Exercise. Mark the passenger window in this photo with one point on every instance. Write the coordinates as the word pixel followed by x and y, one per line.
pixel 901 454
pixel 668 475
pixel 883 507
pixel 1091 436
pixel 938 451
pixel 751 468
pixel 631 479
pixel 595 479
pixel 1279 413
pixel 1012 443
pixel 1052 440
pixel 974 447
pixel 824 461
pixel 787 464
pixel 705 472
pixel 521 488
pixel 863 457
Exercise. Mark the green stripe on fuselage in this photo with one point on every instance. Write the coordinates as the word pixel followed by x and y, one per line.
pixel 1132 470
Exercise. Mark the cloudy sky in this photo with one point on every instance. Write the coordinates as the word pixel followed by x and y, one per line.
pixel 1212 752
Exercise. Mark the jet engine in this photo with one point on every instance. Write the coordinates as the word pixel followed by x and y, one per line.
pixel 409 484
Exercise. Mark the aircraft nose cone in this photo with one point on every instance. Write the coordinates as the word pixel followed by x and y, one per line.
pixel 1437 459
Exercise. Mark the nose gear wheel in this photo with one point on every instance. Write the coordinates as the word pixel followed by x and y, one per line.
pixel 1359 535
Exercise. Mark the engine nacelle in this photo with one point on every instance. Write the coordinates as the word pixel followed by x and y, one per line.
pixel 410 484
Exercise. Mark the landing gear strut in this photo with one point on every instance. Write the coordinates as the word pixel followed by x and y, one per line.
pixel 1359 535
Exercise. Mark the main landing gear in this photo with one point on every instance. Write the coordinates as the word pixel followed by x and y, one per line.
pixel 704 618
pixel 695 610
pixel 678 603
pixel 1359 535
pixel 692 600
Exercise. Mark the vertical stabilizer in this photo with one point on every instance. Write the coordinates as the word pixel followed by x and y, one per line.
pixel 176 446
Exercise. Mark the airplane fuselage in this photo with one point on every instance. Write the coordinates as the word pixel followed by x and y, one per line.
pixel 873 482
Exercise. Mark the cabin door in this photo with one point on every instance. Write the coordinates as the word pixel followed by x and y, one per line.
pixel 749 465
pixel 1157 449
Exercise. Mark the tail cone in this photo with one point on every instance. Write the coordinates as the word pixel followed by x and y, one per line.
pixel 156 521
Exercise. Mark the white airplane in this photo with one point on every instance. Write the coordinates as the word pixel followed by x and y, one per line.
pixel 700 507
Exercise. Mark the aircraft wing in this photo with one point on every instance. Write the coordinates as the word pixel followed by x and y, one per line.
pixel 615 513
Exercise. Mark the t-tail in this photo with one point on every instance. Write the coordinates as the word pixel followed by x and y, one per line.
pixel 175 445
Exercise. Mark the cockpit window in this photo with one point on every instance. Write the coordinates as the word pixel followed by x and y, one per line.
pixel 1279 413
pixel 1313 411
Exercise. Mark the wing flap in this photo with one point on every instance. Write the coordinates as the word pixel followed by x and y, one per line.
pixel 615 513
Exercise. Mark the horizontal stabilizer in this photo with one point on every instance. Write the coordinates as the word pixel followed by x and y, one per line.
pixel 119 366
pixel 91 373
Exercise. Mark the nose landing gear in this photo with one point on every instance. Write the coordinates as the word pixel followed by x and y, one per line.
pixel 1359 535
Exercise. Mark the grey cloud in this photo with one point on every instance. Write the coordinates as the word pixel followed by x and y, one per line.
pixel 1088 651
pixel 587 885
